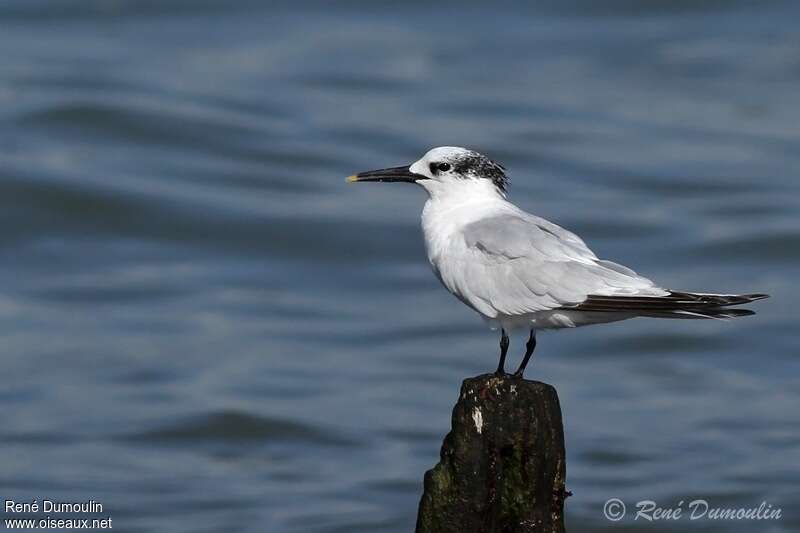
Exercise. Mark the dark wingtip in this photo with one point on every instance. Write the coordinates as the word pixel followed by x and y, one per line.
pixel 721 300
pixel 732 313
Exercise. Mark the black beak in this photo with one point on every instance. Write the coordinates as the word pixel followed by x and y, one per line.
pixel 388 174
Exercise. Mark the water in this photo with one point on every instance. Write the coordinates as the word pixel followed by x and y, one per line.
pixel 205 329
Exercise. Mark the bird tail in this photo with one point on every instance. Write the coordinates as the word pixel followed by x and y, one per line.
pixel 674 305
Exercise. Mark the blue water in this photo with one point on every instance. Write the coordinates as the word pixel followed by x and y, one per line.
pixel 204 329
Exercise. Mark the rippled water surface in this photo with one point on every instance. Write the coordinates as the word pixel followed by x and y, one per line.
pixel 204 329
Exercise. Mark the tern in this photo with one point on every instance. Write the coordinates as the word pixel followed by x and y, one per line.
pixel 518 270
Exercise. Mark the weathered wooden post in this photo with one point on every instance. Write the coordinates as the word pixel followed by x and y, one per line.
pixel 502 466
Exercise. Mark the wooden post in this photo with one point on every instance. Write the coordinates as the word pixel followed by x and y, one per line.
pixel 502 466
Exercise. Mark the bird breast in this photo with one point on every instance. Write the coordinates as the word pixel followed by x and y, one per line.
pixel 448 254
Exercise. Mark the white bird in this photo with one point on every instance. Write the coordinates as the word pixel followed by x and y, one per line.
pixel 519 270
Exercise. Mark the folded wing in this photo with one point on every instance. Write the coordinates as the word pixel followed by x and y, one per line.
pixel 520 263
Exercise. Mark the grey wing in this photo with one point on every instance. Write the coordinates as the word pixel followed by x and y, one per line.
pixel 519 263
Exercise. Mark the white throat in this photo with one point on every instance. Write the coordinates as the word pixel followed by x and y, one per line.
pixel 454 191
pixel 453 205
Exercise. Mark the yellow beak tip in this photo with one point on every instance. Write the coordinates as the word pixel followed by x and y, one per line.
pixel 351 179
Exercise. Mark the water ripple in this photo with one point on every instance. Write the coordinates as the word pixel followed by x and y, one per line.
pixel 239 426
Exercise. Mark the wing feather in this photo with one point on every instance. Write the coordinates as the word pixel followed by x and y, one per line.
pixel 518 263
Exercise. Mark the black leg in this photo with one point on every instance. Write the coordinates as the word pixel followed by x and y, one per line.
pixel 529 348
pixel 501 366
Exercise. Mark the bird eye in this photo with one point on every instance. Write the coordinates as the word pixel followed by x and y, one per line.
pixel 440 167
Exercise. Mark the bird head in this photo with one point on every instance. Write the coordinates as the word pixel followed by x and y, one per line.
pixel 444 170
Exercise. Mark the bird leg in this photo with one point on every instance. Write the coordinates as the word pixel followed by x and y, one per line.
pixel 529 347
pixel 503 351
